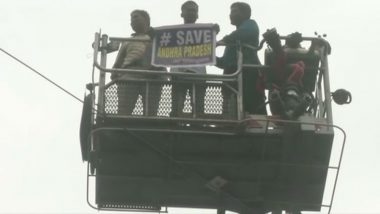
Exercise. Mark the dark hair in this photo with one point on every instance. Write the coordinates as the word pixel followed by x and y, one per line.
pixel 188 3
pixel 294 40
pixel 144 14
pixel 244 8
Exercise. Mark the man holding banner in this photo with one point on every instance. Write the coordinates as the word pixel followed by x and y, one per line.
pixel 189 13
pixel 185 48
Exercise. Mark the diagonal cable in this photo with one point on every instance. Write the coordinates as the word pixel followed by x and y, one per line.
pixel 41 75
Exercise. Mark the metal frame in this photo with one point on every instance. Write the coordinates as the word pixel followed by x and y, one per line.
pixel 323 110
pixel 267 131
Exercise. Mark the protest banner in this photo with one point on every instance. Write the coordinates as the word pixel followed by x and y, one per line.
pixel 184 45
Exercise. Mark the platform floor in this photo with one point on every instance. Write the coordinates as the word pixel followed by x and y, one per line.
pixel 245 172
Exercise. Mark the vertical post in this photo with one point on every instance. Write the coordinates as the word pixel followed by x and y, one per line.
pixel 240 109
pixel 194 100
pixel 96 50
pixel 146 106
pixel 326 84
pixel 102 74
pixel 319 97
pixel 220 211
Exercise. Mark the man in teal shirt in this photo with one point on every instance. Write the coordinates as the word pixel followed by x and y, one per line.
pixel 247 32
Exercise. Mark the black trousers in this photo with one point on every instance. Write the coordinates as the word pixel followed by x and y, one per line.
pixel 182 99
pixel 253 98
pixel 132 98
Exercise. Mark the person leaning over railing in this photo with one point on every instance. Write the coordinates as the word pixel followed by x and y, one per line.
pixel 135 55
pixel 289 97
pixel 247 32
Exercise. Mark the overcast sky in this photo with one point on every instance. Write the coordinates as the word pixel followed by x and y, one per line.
pixel 40 161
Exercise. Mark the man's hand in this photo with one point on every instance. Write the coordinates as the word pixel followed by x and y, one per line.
pixel 220 43
pixel 273 39
pixel 216 28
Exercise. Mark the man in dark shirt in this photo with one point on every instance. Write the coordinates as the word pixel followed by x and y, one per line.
pixel 247 32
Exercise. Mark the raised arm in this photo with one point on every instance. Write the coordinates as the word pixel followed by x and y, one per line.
pixel 248 32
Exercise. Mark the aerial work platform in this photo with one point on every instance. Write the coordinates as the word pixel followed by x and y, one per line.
pixel 199 149
pixel 236 171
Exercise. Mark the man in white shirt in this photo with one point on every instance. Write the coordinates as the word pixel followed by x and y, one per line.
pixel 189 13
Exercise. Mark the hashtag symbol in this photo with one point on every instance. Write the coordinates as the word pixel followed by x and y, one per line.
pixel 165 39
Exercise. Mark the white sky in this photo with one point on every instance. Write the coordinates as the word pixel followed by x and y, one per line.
pixel 40 161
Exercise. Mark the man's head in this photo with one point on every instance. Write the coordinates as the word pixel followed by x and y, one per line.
pixel 293 40
pixel 189 12
pixel 140 21
pixel 240 12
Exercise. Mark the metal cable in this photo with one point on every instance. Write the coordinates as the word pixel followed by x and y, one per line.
pixel 41 75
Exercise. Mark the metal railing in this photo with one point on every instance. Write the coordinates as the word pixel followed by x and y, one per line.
pixel 229 82
pixel 203 94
